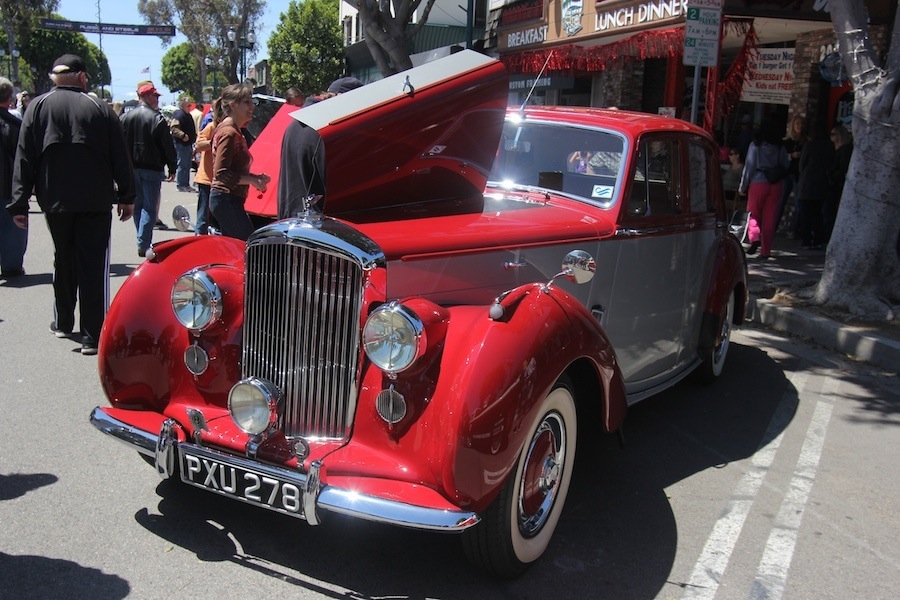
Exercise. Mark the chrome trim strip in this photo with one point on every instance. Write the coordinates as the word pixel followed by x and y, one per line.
pixel 142 441
pixel 330 498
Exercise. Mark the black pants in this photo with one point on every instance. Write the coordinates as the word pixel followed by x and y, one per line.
pixel 80 270
pixel 812 230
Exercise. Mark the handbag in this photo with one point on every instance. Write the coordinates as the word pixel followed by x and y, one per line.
pixel 775 174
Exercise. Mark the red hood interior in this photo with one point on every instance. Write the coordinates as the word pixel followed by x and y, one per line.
pixel 424 135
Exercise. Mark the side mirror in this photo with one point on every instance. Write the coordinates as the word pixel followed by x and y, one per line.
pixel 578 266
pixel 182 218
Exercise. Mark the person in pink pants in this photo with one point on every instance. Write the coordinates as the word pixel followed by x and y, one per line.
pixel 764 170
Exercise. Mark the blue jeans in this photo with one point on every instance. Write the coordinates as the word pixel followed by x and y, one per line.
pixel 228 210
pixel 184 152
pixel 13 241
pixel 203 214
pixel 148 186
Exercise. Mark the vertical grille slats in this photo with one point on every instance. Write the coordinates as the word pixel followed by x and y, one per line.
pixel 301 315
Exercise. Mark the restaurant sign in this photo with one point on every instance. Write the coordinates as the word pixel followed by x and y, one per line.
pixel 623 16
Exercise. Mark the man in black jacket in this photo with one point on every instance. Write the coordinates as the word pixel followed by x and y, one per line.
pixel 184 147
pixel 12 239
pixel 149 144
pixel 71 154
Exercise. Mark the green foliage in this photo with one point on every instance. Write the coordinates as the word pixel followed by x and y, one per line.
pixel 45 46
pixel 180 71
pixel 306 49
pixel 206 24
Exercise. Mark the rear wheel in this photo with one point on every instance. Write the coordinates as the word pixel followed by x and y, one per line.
pixel 517 528
pixel 714 357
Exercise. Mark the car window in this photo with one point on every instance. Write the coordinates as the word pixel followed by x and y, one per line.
pixel 576 161
pixel 701 188
pixel 656 183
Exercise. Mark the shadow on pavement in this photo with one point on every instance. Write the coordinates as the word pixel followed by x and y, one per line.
pixel 40 577
pixel 15 485
pixel 617 537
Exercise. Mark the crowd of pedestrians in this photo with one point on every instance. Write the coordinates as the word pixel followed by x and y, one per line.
pixel 83 158
pixel 803 164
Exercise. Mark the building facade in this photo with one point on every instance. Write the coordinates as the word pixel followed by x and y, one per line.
pixel 630 54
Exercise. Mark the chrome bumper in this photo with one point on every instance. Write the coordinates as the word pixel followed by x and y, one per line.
pixel 162 448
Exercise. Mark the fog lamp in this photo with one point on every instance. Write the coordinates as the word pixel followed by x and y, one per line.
pixel 254 405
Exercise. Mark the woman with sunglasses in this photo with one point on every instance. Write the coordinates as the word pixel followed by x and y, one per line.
pixel 231 163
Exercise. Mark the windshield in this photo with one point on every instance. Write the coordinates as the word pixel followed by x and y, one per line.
pixel 573 160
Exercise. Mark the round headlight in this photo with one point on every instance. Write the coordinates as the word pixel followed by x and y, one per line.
pixel 254 405
pixel 196 300
pixel 392 337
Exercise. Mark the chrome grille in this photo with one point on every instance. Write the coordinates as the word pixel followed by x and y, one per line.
pixel 301 332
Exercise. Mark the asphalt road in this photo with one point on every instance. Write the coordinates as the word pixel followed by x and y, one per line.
pixel 778 481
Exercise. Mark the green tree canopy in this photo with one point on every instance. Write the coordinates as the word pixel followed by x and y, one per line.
pixel 305 50
pixel 205 25
pixel 45 46
pixel 180 71
pixel 19 18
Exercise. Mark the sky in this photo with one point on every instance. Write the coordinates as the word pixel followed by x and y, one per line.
pixel 129 54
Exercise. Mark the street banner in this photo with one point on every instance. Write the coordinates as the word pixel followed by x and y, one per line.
pixel 108 28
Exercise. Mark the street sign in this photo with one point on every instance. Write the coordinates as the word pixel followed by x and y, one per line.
pixel 703 21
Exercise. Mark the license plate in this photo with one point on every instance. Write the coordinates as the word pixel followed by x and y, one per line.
pixel 255 487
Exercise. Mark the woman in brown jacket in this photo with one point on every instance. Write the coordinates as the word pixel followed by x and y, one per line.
pixel 231 164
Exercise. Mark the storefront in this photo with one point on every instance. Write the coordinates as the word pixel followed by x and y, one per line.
pixel 629 54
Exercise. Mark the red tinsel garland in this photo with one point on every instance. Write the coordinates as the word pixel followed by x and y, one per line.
pixel 728 91
pixel 582 61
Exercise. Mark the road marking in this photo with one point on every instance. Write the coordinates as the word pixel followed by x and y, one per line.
pixel 708 571
pixel 773 568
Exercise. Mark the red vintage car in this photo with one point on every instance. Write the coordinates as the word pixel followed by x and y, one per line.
pixel 480 288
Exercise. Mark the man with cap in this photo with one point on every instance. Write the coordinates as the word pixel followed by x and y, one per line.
pixel 344 84
pixel 150 146
pixel 301 181
pixel 71 154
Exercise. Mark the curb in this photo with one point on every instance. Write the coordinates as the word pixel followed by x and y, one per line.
pixel 862 345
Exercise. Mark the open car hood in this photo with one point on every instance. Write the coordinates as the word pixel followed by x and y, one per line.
pixel 426 134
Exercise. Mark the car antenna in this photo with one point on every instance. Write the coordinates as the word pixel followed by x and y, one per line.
pixel 534 85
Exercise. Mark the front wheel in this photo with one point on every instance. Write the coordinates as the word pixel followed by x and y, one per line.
pixel 714 357
pixel 517 527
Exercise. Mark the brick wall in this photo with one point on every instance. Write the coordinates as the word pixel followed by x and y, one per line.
pixel 620 86
pixel 808 82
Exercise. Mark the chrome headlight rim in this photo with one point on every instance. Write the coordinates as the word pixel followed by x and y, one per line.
pixel 407 337
pixel 210 300
pixel 266 403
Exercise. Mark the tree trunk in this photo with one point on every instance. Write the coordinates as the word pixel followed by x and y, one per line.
pixel 862 263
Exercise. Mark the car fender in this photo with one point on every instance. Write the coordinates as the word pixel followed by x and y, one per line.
pixel 728 276
pixel 496 372
pixel 142 344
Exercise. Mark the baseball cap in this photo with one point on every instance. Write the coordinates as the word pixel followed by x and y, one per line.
pixel 148 89
pixel 344 84
pixel 68 63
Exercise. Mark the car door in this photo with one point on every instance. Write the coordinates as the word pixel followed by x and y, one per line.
pixel 647 313
pixel 707 225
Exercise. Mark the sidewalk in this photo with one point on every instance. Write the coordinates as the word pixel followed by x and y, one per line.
pixel 793 268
